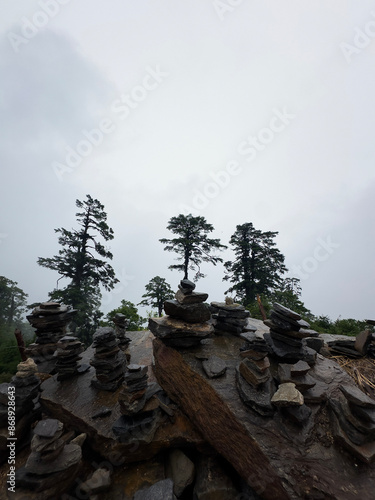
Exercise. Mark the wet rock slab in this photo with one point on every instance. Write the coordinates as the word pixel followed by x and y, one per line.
pixel 316 467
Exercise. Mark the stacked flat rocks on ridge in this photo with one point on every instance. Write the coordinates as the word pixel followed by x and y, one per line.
pixel 344 347
pixel 26 392
pixel 186 323
pixel 51 321
pixel 108 361
pixel 288 334
pixel 68 353
pixel 121 323
pixel 353 416
pixel 230 317
pixel 52 464
pixel 363 342
pixel 132 397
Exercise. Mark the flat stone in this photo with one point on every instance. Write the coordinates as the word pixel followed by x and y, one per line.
pixel 70 455
pixel 362 341
pixel 366 414
pixel 28 366
pixel 140 427
pixel 286 311
pixel 214 367
pixel 365 453
pixel 48 427
pixel 353 434
pixel 191 298
pixel 316 394
pixel 354 395
pixel 287 395
pixel 103 412
pixel 286 339
pixel 302 382
pixel 288 353
pixel 229 307
pixel 224 327
pixel 298 414
pixel 103 335
pixel 170 328
pixel 351 353
pixel 251 375
pixel 300 368
pixel 364 427
pixel 187 284
pixel 213 482
pixel 162 490
pixel 314 343
pixel 192 313
pixel 181 470
pixel 253 354
pixel 283 321
pixel 256 398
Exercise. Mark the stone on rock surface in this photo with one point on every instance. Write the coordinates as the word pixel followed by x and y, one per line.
pixel 300 368
pixel 162 490
pixel 48 427
pixel 354 395
pixel 187 285
pixel 256 398
pixel 366 414
pixel 251 375
pixel 314 343
pixel 298 414
pixel 79 440
pixel 70 455
pixel 175 332
pixel 362 341
pixel 316 394
pixel 287 395
pixel 192 313
pixel 191 298
pixel 285 311
pixel 352 432
pixel 286 339
pixel 253 354
pixel 302 382
pixel 366 452
pixel 214 367
pixel 181 470
pixel 99 481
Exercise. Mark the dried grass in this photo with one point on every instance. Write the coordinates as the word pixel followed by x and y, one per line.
pixel 362 371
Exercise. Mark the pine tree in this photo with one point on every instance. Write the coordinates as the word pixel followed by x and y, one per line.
pixel 158 291
pixel 83 259
pixel 258 266
pixel 192 244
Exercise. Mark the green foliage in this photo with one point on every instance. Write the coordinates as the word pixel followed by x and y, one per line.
pixel 351 327
pixel 135 321
pixel 12 302
pixel 192 244
pixel 79 260
pixel 157 292
pixel 258 265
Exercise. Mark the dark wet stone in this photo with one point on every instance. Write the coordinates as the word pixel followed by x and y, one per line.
pixel 284 322
pixel 192 313
pixel 251 374
pixel 297 414
pixel 366 452
pixel 362 341
pixel 314 343
pixel 213 482
pixel 253 354
pixel 232 321
pixel 353 434
pixel 55 483
pixel 48 428
pixel 103 335
pixel 214 367
pixel 70 455
pixel 352 353
pixel 355 396
pixel 162 490
pixel 187 285
pixel 103 412
pixel 224 327
pixel 190 298
pixel 300 368
pixel 364 427
pixel 136 374
pixel 181 470
pixel 366 414
pixel 303 324
pixel 83 368
pixel 177 333
pixel 289 353
pixel 259 399
pixel 285 311
pixel 285 339
pixel 139 427
pixel 302 382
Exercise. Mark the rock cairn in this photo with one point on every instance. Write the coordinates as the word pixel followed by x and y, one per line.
pixel 230 317
pixel 344 346
pixel 288 334
pixel 365 342
pixel 353 416
pixel 121 323
pixel 68 354
pixel 51 321
pixel 253 378
pixel 108 361
pixel 26 392
pixel 186 323
pixel 132 397
pixel 52 463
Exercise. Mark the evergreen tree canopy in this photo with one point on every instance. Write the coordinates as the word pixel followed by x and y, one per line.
pixel 135 321
pixel 12 302
pixel 157 292
pixel 83 259
pixel 258 265
pixel 192 244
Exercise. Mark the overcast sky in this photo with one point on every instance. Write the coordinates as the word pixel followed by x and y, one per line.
pixel 253 111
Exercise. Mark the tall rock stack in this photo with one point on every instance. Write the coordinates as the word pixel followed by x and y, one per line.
pixel 109 361
pixel 353 416
pixel 52 465
pixel 186 323
pixel 132 397
pixel 288 334
pixel 68 354
pixel 121 323
pixel 51 321
pixel 230 317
